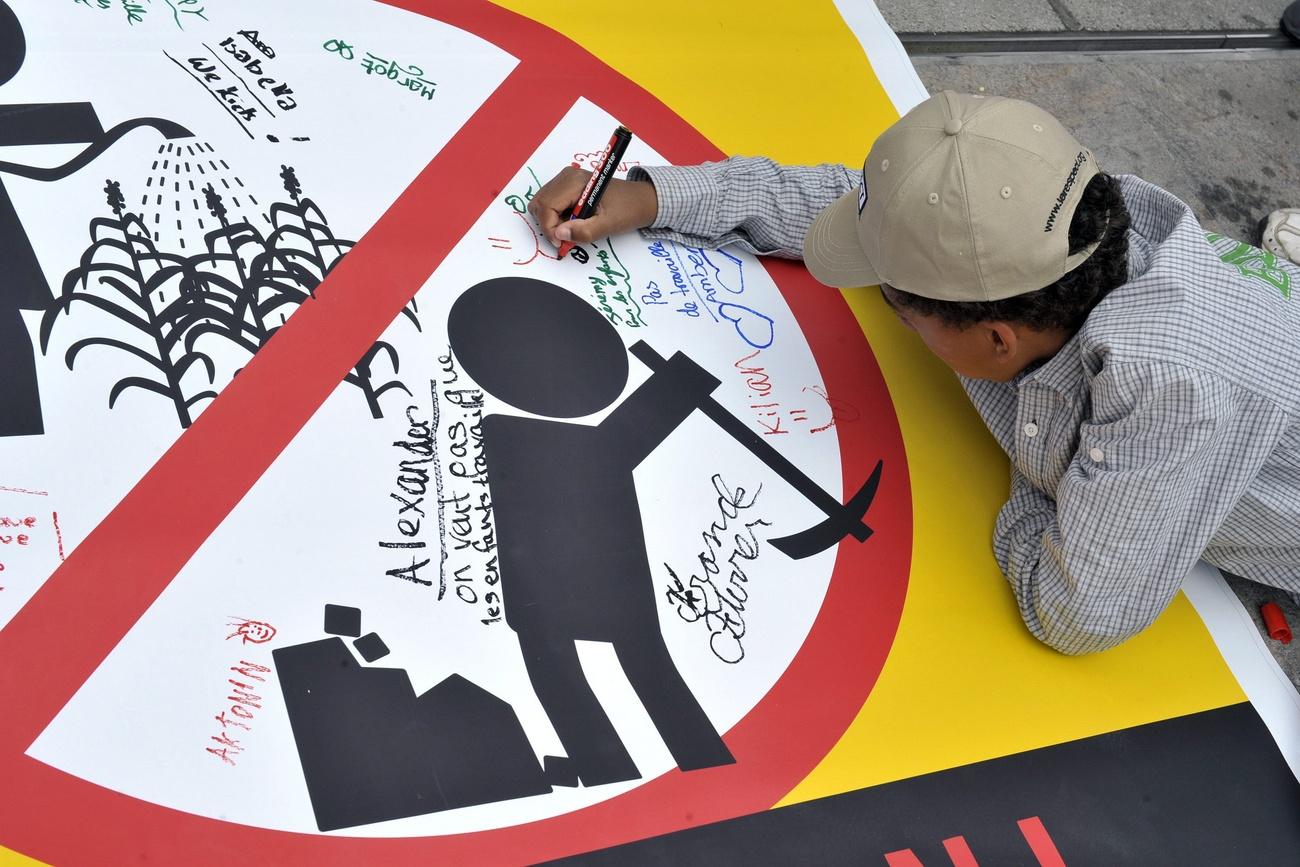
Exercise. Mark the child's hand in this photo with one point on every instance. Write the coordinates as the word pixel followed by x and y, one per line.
pixel 626 205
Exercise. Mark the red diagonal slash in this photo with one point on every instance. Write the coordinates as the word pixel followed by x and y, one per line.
pixel 58 639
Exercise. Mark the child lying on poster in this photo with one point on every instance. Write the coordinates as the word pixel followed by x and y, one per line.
pixel 1140 374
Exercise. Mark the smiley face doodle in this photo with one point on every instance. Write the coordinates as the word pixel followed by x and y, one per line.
pixel 251 631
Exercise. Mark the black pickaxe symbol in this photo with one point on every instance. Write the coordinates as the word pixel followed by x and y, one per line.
pixel 841 520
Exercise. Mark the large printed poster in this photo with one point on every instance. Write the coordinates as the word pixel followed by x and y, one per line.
pixel 344 521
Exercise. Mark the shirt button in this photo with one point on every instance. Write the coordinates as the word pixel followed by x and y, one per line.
pixel 1031 430
pixel 1097 455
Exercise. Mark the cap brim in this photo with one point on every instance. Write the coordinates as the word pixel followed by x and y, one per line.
pixel 832 251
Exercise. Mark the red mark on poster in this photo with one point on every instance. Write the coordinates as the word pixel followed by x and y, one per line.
pixel 1033 830
pixel 959 852
pixel 58 534
pixel 591 161
pixel 1040 842
pixel 8 540
pixel 240 714
pixel 251 631
pixel 25 491
pixel 774 416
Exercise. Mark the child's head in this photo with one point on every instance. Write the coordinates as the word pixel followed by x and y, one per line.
pixel 1059 309
pixel 978 211
pixel 537 347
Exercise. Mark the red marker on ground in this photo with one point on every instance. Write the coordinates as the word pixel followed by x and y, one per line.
pixel 1275 622
pixel 599 180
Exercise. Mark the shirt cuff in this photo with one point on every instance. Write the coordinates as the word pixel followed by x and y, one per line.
pixel 688 196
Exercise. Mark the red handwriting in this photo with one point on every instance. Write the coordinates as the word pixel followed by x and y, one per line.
pixel 592 160
pixel 237 719
pixel 15 539
pixel 959 852
pixel 841 410
pixel 27 522
pixel 531 249
pixel 251 631
pixel 774 416
pixel 58 534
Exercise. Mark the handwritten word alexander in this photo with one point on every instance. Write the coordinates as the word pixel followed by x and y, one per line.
pixel 237 719
pixel 774 417
pixel 412 485
pixel 410 77
pixel 709 597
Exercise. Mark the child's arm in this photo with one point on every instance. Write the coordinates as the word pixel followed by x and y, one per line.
pixel 754 202
pixel 1163 461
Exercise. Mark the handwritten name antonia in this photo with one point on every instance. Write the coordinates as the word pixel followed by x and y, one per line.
pixel 236 720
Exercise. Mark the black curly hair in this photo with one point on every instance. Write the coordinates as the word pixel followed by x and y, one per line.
pixel 1101 213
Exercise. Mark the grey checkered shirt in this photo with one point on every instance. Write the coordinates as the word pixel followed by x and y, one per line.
pixel 1166 430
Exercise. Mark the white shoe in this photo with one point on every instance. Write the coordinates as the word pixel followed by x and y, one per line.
pixel 1281 235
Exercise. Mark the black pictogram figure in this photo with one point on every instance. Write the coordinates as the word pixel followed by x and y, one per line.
pixel 22 284
pixel 569 533
pixel 372 750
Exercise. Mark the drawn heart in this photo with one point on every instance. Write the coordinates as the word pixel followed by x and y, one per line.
pixel 753 327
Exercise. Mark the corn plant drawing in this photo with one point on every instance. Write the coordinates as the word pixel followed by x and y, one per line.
pixel 240 289
pixel 122 258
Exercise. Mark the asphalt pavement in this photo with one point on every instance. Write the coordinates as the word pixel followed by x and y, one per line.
pixel 1217 126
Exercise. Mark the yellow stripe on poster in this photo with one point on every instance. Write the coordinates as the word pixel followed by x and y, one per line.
pixel 10 858
pixel 964 681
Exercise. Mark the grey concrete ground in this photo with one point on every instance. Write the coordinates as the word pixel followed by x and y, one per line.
pixel 1219 129
pixel 982 16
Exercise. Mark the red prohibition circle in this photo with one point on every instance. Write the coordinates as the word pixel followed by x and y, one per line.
pixel 53 645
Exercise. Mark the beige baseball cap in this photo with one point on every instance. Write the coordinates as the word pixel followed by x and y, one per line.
pixel 965 198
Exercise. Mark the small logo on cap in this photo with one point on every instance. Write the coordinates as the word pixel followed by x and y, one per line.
pixel 1065 191
pixel 862 191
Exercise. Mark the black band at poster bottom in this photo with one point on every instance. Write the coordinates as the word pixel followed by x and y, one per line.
pixel 1209 788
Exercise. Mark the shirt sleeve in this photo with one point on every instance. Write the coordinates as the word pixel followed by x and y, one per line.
pixel 1164 458
pixel 753 202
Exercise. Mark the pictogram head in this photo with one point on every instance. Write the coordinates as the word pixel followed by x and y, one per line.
pixel 537 347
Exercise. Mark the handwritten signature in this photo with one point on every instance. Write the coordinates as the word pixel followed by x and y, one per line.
pixel 712 280
pixel 709 597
